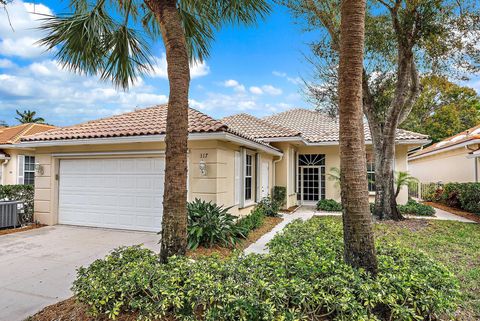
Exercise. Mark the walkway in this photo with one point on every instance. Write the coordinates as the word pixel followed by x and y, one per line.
pixel 445 216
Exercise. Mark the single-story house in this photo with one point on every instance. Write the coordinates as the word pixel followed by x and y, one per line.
pixel 454 159
pixel 109 172
pixel 17 164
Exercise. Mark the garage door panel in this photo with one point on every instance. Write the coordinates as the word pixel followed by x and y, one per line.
pixel 113 193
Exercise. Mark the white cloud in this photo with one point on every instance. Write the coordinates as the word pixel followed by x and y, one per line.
pixel 24 19
pixel 271 90
pixel 293 80
pixel 62 97
pixel 5 63
pixel 231 83
pixel 256 90
pixel 197 69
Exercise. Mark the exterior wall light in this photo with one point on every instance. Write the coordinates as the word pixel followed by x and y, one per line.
pixel 39 169
pixel 203 168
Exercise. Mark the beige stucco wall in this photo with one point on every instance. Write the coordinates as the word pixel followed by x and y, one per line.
pixel 449 166
pixel 332 160
pixel 218 185
pixel 10 167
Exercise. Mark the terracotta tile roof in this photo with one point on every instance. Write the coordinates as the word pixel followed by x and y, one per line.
pixel 465 136
pixel 12 135
pixel 317 126
pixel 147 121
pixel 257 128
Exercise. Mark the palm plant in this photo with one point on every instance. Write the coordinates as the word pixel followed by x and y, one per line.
pixel 28 116
pixel 403 179
pixel 103 38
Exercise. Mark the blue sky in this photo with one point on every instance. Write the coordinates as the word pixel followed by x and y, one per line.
pixel 254 69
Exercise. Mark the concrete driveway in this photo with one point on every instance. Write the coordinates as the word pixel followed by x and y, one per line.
pixel 37 267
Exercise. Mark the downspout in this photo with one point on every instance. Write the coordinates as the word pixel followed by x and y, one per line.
pixel 275 169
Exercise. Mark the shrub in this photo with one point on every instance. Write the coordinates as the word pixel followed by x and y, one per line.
pixel 210 224
pixel 414 208
pixel 303 277
pixel 251 222
pixel 470 197
pixel 429 192
pixel 280 195
pixel 451 194
pixel 24 193
pixel 268 207
pixel 329 205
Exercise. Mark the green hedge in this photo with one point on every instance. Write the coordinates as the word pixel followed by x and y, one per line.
pixel 24 193
pixel 304 277
pixel 329 205
pixel 414 208
pixel 465 196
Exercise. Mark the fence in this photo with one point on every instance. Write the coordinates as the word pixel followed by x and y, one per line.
pixel 423 190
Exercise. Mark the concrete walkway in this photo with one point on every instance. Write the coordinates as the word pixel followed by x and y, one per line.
pixel 37 267
pixel 445 216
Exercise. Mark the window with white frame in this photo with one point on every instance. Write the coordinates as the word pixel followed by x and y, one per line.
pixel 371 172
pixel 248 176
pixel 26 170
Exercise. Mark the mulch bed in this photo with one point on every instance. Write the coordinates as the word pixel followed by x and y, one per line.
pixel 20 229
pixel 456 211
pixel 268 224
pixel 70 310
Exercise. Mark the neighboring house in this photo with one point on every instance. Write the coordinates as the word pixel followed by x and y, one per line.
pixel 17 165
pixel 454 159
pixel 109 172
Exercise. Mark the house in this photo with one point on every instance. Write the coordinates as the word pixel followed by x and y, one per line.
pixel 17 165
pixel 109 172
pixel 454 159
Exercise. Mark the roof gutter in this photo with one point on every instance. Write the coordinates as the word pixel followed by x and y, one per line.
pixel 148 138
pixel 445 149
pixel 335 142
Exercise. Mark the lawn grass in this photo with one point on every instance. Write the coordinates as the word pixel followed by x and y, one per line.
pixel 455 244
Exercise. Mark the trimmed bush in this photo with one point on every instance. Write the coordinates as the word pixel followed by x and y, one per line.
pixel 303 277
pixel 414 208
pixel 24 193
pixel 470 197
pixel 451 194
pixel 329 205
pixel 251 222
pixel 210 224
pixel 280 195
pixel 269 207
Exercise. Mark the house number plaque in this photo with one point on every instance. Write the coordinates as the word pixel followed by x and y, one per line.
pixel 203 155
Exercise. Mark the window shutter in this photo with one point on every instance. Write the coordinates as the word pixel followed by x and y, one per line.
pixel 238 174
pixel 21 169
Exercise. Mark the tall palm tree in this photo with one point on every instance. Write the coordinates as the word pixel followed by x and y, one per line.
pixel 101 37
pixel 359 250
pixel 28 116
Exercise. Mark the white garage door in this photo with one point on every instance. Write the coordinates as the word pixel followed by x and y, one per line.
pixel 123 193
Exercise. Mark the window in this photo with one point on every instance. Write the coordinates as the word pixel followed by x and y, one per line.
pixel 371 172
pixel 26 170
pixel 248 176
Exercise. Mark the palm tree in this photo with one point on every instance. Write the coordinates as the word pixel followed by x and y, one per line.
pixel 28 116
pixel 100 38
pixel 403 179
pixel 359 248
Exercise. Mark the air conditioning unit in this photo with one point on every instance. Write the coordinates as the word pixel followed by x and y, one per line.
pixel 10 213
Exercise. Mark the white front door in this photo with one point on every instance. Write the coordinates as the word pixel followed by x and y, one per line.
pixel 265 188
pixel 123 193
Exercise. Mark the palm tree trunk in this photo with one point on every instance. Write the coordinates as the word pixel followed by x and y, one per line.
pixel 359 248
pixel 174 222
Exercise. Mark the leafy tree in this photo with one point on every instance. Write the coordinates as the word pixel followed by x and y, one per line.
pixel 443 109
pixel 103 38
pixel 437 37
pixel 28 116
pixel 359 248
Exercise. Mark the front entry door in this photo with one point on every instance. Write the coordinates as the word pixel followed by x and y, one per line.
pixel 310 184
